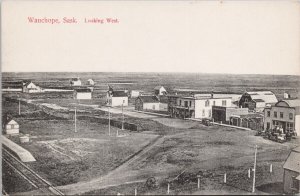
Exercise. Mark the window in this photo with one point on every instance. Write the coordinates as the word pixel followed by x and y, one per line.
pixel 268 113
pixel 268 125
pixel 273 122
pixel 290 126
pixel 12 126
pixel 190 103
pixel 295 183
pixel 185 103
pixel 209 113
pixel 281 114
pixel 153 107
pixel 291 116
pixel 224 103
pixel 275 114
pixel 203 112
pixel 206 103
pixel 179 102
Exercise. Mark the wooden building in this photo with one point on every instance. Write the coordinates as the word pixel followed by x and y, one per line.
pixel 160 90
pixel 83 93
pixel 291 175
pixel 285 114
pixel 10 126
pixel 257 100
pixel 75 82
pixel 116 97
pixel 148 103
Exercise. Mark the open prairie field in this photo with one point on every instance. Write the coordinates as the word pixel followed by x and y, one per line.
pixel 147 81
pixel 91 162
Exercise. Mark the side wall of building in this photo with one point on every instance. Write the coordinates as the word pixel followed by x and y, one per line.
pixel 287 181
pixel 118 101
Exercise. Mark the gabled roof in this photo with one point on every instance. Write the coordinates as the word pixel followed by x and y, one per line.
pixel 291 102
pixel 258 100
pixel 293 161
pixel 75 79
pixel 119 94
pixel 148 99
pixel 158 87
pixel 266 96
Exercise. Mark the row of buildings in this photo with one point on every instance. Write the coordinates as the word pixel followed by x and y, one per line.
pixel 258 110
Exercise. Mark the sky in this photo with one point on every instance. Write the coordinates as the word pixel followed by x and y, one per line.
pixel 238 37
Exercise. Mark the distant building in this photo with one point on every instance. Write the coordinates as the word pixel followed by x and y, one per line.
pixel 150 103
pixel 223 113
pixel 82 94
pixel 75 82
pixel 285 114
pixel 11 127
pixel 291 175
pixel 197 106
pixel 257 100
pixel 30 87
pixel 90 82
pixel 12 86
pixel 252 121
pixel 135 93
pixel 160 90
pixel 116 97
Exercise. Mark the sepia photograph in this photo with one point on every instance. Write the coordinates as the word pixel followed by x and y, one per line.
pixel 157 97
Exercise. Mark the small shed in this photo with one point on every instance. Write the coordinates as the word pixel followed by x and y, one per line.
pixel 291 175
pixel 30 87
pixel 90 82
pixel 160 90
pixel 11 127
pixel 75 82
pixel 83 93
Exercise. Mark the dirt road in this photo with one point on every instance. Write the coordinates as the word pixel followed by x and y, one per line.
pixel 120 175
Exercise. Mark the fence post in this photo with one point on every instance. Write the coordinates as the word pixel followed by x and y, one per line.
pixel 271 168
pixel 225 178
pixel 168 191
pixel 249 173
pixel 135 192
pixel 198 182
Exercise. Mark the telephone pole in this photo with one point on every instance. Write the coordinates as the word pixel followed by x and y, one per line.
pixel 108 122
pixel 75 120
pixel 19 106
pixel 122 117
pixel 254 170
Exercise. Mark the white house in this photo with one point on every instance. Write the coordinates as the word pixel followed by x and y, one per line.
pixel 197 106
pixel 11 127
pixel 75 82
pixel 82 94
pixel 160 90
pixel 151 102
pixel 30 87
pixel 135 93
pixel 117 98
pixel 90 82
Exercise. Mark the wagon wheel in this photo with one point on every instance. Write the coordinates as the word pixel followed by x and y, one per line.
pixel 151 183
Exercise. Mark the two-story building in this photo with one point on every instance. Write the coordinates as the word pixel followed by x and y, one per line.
pixel 116 97
pixel 285 114
pixel 257 100
pixel 196 106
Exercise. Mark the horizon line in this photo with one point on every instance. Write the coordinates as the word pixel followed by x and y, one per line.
pixel 149 72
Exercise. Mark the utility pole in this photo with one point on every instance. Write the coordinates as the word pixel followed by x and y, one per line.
pixel 19 106
pixel 254 170
pixel 108 122
pixel 75 120
pixel 122 118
